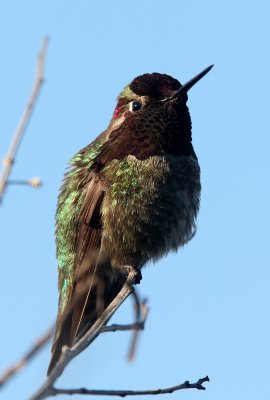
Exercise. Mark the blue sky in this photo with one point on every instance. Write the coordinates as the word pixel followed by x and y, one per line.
pixel 210 301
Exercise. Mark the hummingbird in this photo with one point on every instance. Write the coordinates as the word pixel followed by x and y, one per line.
pixel 129 197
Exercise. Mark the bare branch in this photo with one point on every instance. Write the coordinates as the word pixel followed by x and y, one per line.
pixel 40 343
pixel 122 393
pixel 68 354
pixel 19 365
pixel 25 118
pixel 48 389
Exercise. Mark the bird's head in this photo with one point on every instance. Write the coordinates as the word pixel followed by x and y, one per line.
pixel 156 92
pixel 151 116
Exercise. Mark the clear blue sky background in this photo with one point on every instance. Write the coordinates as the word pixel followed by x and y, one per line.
pixel 210 302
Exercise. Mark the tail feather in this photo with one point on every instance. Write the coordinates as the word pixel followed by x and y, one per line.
pixel 62 340
pixel 84 309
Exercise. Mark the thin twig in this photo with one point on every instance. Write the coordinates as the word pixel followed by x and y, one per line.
pixel 19 365
pixel 33 182
pixel 122 393
pixel 9 159
pixel 68 354
pixel 136 326
pixel 141 312
pixel 135 333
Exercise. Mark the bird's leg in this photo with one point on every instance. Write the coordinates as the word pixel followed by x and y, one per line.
pixel 136 271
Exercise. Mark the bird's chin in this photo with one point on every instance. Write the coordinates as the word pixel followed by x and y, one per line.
pixel 116 123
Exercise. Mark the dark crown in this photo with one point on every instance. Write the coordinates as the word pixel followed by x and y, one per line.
pixel 156 86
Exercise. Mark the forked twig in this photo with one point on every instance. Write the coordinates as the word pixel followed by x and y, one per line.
pixel 44 339
pixel 122 393
pixel 68 354
pixel 9 159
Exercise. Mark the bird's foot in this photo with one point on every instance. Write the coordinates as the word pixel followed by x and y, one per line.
pixel 137 273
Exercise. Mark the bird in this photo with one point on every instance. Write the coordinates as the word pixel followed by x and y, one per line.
pixel 129 197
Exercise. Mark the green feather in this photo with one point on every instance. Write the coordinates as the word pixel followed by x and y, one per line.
pixel 69 204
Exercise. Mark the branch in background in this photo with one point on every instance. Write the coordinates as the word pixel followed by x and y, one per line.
pixel 141 312
pixel 19 365
pixel 122 393
pixel 9 159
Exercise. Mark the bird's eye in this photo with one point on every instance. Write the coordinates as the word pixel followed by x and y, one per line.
pixel 135 106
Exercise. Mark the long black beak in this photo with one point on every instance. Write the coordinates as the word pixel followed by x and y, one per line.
pixel 185 88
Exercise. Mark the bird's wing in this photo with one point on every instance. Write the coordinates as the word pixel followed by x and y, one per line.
pixel 87 291
pixel 87 251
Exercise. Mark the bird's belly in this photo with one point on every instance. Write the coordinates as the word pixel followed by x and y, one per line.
pixel 150 207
